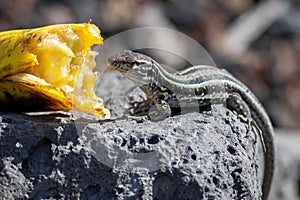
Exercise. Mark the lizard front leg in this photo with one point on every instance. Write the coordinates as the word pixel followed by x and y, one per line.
pixel 160 111
pixel 154 111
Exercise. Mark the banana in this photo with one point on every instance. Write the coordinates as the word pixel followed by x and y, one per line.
pixel 49 69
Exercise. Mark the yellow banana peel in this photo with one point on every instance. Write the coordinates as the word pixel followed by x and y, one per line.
pixel 50 68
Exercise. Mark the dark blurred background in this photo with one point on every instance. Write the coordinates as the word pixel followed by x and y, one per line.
pixel 258 41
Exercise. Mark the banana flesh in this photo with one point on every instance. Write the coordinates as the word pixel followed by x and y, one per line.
pixel 49 69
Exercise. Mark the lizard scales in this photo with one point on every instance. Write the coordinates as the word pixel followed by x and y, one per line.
pixel 204 85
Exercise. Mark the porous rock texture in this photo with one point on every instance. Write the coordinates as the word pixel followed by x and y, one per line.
pixel 208 155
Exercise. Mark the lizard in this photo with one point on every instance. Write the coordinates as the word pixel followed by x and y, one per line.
pixel 198 86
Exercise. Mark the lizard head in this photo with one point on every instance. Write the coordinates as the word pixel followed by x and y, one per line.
pixel 134 66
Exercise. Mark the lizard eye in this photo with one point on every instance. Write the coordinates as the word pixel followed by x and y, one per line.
pixel 136 66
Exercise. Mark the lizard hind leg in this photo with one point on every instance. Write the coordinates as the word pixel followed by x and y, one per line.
pixel 236 103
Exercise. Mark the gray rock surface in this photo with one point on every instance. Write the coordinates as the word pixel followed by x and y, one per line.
pixel 209 155
pixel 194 156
